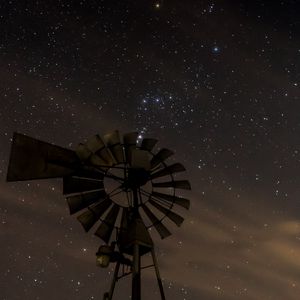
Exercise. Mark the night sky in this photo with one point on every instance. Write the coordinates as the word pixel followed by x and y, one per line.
pixel 216 81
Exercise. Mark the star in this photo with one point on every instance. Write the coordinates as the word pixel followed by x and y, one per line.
pixel 215 49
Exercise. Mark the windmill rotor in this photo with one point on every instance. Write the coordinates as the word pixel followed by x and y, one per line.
pixel 126 167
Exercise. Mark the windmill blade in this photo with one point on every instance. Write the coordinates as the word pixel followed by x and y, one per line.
pixel 105 230
pixel 140 159
pixel 124 220
pixel 129 144
pixel 73 184
pixel 185 203
pixel 130 138
pixel 89 172
pixel 98 162
pixel 171 215
pixel 148 144
pixel 83 152
pixel 113 143
pixel 86 153
pixel 175 168
pixel 100 208
pixel 87 219
pixel 95 143
pixel 106 155
pixel 79 202
pixel 34 159
pixel 176 184
pixel 161 156
pixel 158 225
pixel 102 156
pixel 92 215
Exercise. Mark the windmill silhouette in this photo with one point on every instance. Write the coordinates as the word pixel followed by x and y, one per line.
pixel 123 185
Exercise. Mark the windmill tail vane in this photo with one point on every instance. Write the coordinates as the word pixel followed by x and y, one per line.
pixel 120 183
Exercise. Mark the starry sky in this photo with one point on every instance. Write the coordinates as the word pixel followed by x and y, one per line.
pixel 216 81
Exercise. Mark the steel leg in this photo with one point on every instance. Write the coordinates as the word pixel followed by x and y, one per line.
pixel 159 281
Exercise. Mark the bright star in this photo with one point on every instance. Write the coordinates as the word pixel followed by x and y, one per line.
pixel 216 49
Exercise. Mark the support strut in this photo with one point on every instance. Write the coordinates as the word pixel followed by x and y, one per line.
pixel 159 281
pixel 108 296
pixel 136 273
pixel 136 263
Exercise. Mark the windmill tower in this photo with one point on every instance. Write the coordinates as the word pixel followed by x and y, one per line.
pixel 123 185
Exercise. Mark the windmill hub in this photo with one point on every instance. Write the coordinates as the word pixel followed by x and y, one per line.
pixel 136 178
pixel 123 180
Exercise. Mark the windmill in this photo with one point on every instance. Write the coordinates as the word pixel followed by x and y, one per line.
pixel 121 184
